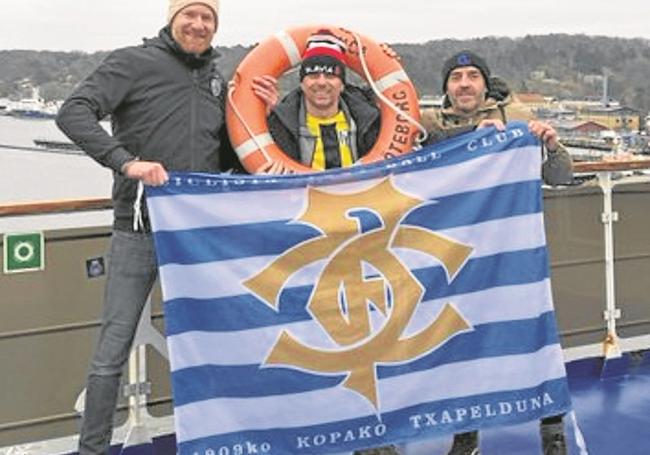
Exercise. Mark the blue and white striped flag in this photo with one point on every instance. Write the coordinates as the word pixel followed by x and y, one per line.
pixel 322 313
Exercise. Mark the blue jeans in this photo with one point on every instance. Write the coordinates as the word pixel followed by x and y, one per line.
pixel 132 272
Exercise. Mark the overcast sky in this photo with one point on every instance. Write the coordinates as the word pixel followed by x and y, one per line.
pixel 91 25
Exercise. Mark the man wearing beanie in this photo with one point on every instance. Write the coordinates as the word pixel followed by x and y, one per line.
pixel 475 99
pixel 165 99
pixel 325 123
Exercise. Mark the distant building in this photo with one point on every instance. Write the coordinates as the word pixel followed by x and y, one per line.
pixel 532 100
pixel 581 128
pixel 593 79
pixel 617 118
pixel 577 105
pixel 555 113
pixel 538 75
pixel 430 102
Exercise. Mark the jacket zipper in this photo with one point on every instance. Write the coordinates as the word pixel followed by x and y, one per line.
pixel 193 102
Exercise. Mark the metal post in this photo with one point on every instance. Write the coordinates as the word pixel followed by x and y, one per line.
pixel 137 427
pixel 138 388
pixel 611 345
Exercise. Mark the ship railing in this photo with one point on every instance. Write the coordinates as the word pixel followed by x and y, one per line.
pixel 51 207
pixel 612 346
pixel 140 425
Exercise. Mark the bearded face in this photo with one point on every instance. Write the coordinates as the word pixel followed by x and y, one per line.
pixel 193 28
pixel 466 89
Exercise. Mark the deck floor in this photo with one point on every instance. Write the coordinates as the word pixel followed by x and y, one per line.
pixel 613 415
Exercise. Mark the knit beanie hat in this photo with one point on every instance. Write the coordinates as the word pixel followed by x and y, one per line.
pixel 176 5
pixel 325 53
pixel 464 58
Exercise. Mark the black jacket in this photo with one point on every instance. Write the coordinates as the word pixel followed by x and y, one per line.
pixel 165 105
pixel 284 121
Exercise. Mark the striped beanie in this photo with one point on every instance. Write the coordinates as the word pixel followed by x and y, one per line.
pixel 176 5
pixel 325 53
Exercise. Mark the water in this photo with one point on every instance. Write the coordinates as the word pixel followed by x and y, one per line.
pixel 22 132
pixel 35 176
pixel 29 176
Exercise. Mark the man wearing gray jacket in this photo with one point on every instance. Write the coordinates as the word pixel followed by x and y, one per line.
pixel 166 100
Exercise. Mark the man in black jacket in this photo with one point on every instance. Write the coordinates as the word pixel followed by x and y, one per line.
pixel 324 123
pixel 166 102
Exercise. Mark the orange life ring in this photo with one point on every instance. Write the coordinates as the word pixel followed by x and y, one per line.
pixel 283 51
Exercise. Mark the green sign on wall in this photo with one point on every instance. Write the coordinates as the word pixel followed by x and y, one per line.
pixel 23 252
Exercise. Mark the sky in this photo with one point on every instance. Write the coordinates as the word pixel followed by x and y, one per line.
pixel 92 25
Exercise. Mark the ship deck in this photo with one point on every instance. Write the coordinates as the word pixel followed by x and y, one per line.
pixel 612 414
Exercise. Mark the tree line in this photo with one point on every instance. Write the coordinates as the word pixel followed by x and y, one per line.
pixel 563 66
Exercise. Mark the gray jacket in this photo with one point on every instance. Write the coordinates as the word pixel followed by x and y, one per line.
pixel 165 105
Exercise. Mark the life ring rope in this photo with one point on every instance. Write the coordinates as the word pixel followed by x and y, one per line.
pixel 383 84
pixel 256 142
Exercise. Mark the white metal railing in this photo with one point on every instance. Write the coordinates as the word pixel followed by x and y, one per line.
pixel 611 346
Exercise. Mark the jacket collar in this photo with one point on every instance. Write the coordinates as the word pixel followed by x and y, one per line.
pixel 364 115
pixel 490 104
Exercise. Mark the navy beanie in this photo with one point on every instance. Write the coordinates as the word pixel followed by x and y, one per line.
pixel 465 58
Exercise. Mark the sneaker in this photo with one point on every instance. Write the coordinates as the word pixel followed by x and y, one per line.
pixel 465 444
pixel 553 441
pixel 386 450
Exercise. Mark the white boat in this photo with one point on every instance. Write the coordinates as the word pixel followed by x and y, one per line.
pixel 32 108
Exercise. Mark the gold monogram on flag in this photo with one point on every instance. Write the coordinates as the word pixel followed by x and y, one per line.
pixel 340 299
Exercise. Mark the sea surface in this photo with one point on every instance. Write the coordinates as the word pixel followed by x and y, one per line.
pixel 39 175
